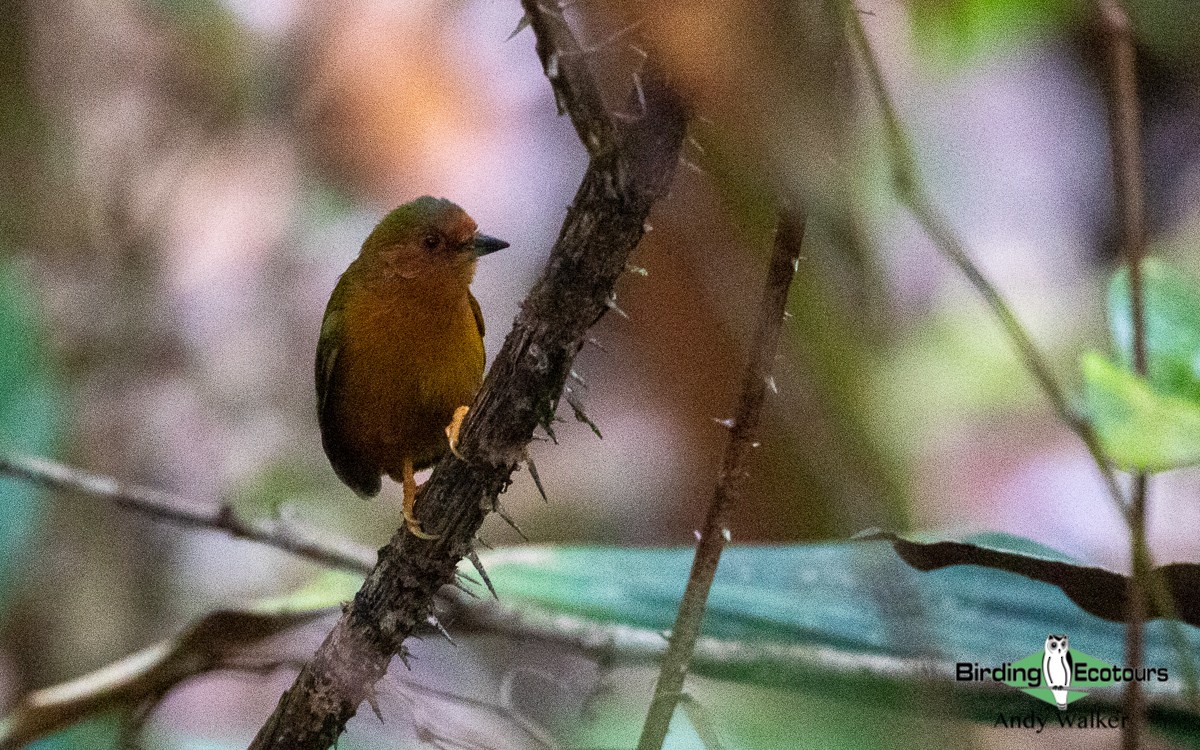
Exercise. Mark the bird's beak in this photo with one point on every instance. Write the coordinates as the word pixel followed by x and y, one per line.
pixel 485 245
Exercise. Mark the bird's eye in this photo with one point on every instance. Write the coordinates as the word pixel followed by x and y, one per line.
pixel 430 241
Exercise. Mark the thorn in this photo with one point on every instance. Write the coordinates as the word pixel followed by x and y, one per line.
pixel 404 657
pixel 611 304
pixel 641 94
pixel 537 481
pixel 594 342
pixel 796 264
pixel 464 589
pixel 580 416
pixel 508 520
pixel 372 698
pixel 769 381
pixel 552 66
pixel 437 625
pixel 474 558
pixel 521 26
pixel 690 165
pixel 728 423
pixel 468 578
pixel 605 43
pixel 644 54
pixel 578 378
pixel 696 533
pixel 756 444
pixel 636 269
pixel 726 535
pixel 647 227
pixel 546 416
pixel 787 315
pixel 695 144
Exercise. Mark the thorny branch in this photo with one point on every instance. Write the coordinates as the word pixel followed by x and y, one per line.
pixel 632 163
pixel 669 689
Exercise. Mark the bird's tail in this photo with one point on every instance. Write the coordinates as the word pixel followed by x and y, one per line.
pixel 1060 697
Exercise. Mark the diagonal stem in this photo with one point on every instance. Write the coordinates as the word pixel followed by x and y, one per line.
pixel 673 668
pixel 1129 183
pixel 912 194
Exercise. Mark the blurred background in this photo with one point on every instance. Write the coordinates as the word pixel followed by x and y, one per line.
pixel 181 182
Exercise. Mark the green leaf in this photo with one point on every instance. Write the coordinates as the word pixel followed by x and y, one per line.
pixel 29 414
pixel 1096 590
pixel 1172 326
pixel 1139 428
pixel 812 617
pixel 830 642
pixel 958 32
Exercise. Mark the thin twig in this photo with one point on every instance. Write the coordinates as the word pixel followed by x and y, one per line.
pixel 1129 180
pixel 912 193
pixel 631 165
pixel 713 537
pixel 181 511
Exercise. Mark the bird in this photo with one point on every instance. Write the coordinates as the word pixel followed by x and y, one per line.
pixel 400 353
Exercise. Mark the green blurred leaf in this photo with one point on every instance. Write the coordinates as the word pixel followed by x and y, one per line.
pixel 29 413
pixel 824 618
pixel 101 732
pixel 842 644
pixel 1172 323
pixel 958 32
pixel 1139 428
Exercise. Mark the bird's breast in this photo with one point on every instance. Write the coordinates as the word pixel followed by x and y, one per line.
pixel 406 367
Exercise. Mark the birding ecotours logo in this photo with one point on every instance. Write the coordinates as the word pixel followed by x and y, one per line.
pixel 1057 674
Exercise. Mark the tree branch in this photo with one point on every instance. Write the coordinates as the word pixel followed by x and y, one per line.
pixel 669 689
pixel 1125 142
pixel 214 641
pixel 182 511
pixel 632 163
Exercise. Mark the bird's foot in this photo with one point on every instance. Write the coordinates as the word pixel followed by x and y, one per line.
pixel 414 526
pixel 453 428
pixel 410 503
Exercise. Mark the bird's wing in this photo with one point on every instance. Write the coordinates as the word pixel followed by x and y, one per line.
pixel 477 311
pixel 328 347
pixel 349 466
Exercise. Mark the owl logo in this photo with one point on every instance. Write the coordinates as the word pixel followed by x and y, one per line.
pixel 1057 666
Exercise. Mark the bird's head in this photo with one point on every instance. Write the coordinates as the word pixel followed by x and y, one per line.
pixel 430 238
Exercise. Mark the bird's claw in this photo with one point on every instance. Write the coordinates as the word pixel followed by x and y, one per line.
pixel 410 503
pixel 414 527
